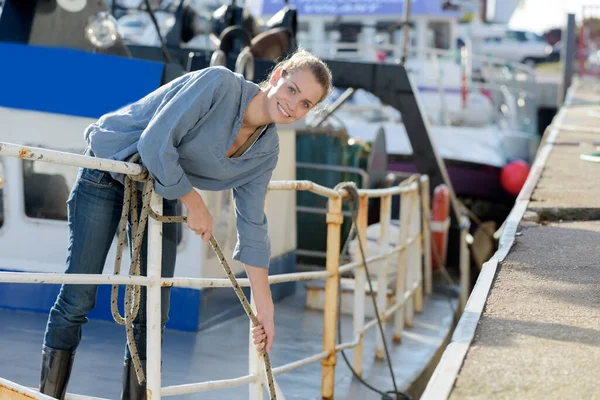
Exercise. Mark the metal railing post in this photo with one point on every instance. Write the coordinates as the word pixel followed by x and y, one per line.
pixel 426 232
pixel 409 306
pixel 402 261
pixel 153 301
pixel 382 272
pixel 255 365
pixel 359 288
pixel 418 252
pixel 334 223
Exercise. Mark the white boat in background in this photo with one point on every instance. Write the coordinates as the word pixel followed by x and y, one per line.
pixel 481 110
pixel 474 155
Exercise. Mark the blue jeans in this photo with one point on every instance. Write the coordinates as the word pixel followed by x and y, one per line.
pixel 94 208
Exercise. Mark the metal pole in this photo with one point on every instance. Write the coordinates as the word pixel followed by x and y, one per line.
pixel 64 158
pixel 426 211
pixel 255 359
pixel 334 223
pixel 412 258
pixel 567 57
pixel 581 44
pixel 359 288
pixel 255 365
pixel 347 95
pixel 418 251
pixel 153 301
pixel 407 13
pixel 338 168
pixel 402 266
pixel 382 272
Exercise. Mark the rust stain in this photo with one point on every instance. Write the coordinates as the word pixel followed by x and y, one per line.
pixel 10 393
pixel 25 153
pixel 149 394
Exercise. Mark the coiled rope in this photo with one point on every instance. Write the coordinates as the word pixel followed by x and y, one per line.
pixel 132 292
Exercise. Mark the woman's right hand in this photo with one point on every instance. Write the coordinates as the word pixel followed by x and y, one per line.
pixel 199 218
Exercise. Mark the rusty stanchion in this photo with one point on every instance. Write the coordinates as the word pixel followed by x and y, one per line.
pixel 334 223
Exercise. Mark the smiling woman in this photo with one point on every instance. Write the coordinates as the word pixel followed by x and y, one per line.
pixel 294 87
pixel 210 130
pixel 314 75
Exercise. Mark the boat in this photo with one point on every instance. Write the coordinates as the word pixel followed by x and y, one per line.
pixel 481 111
pixel 84 77
pixel 474 155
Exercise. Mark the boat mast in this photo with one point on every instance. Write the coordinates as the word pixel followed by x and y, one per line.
pixel 406 27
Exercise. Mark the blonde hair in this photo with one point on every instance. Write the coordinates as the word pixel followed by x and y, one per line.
pixel 302 59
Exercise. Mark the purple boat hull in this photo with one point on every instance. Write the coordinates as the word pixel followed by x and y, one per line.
pixel 468 179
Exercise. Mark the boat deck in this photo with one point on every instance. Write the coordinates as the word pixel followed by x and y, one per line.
pixel 221 352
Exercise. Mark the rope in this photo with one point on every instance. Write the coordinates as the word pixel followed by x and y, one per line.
pixel 132 293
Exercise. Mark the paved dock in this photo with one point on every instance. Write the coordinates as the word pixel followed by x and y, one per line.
pixel 531 328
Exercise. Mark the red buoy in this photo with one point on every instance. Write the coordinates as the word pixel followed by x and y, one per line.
pixel 513 176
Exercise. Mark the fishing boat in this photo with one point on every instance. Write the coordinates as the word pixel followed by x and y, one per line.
pixel 481 111
pixel 47 109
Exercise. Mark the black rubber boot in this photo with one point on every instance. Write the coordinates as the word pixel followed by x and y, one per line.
pixel 132 390
pixel 56 370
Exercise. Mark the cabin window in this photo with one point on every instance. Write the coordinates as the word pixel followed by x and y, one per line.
pixel 439 35
pixel 1 194
pixel 47 187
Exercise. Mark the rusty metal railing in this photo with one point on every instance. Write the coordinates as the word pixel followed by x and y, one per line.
pixel 412 271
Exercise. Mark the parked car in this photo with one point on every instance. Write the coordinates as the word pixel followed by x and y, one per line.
pixel 518 46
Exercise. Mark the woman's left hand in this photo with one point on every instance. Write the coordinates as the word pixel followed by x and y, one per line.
pixel 264 334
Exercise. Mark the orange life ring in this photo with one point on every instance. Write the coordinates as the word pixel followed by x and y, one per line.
pixel 440 224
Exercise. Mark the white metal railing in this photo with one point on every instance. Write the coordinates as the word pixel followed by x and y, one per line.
pixel 412 278
pixel 10 390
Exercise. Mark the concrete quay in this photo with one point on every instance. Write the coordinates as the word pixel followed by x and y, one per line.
pixel 531 327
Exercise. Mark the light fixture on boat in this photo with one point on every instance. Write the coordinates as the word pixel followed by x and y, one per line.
pixel 101 30
pixel 72 5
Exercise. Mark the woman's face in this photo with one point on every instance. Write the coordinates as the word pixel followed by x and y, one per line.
pixel 292 95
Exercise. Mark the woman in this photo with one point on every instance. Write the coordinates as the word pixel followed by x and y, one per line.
pixel 210 129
